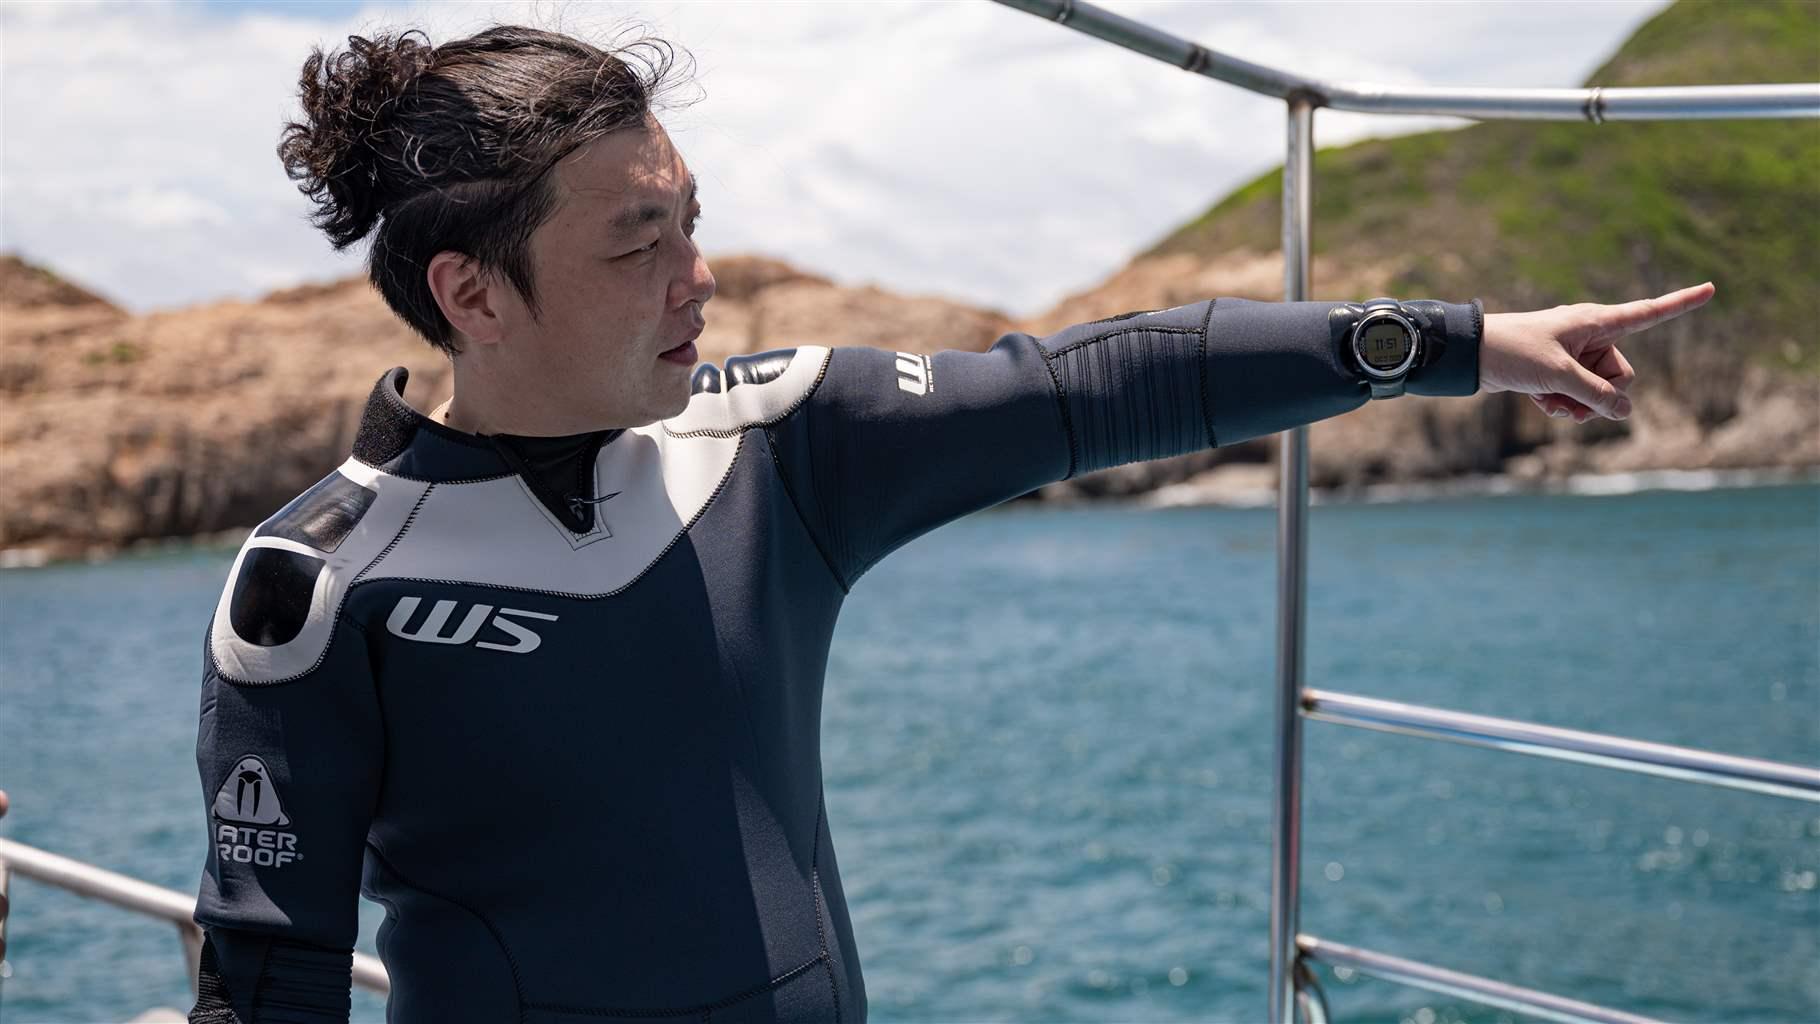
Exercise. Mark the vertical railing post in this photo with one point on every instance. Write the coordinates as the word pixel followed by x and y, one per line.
pixel 1292 605
pixel 190 937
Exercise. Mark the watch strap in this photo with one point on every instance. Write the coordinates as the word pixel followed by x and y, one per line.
pixel 1451 334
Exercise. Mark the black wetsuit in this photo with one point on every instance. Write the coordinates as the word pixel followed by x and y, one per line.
pixel 555 702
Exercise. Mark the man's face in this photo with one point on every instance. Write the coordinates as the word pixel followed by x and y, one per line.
pixel 619 284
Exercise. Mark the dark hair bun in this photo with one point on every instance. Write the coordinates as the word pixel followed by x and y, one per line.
pixel 341 152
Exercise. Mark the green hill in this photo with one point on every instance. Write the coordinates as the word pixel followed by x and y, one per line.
pixel 1538 213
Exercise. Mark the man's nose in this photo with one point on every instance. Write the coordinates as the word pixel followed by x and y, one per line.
pixel 697 284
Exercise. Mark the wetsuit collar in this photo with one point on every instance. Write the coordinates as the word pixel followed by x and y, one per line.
pixel 394 437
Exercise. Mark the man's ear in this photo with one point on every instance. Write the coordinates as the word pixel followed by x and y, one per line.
pixel 467 297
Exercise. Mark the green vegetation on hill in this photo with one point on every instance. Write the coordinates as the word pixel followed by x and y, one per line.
pixel 1536 213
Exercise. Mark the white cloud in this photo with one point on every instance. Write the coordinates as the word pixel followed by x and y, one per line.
pixel 163 209
pixel 963 149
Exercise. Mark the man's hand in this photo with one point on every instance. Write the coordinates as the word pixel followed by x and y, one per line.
pixel 1566 358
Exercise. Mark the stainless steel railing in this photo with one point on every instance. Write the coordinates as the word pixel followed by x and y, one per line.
pixel 1685 763
pixel 1290 984
pixel 1416 974
pixel 95 883
pixel 1669 103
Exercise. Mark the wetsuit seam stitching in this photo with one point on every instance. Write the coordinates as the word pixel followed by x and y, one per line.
pixel 719 1004
pixel 393 543
pixel 815 883
pixel 430 479
pixel 340 613
pixel 796 506
pixel 642 573
pixel 1061 402
pixel 833 989
pixel 801 401
pixel 518 988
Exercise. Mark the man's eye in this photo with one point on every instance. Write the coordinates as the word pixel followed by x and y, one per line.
pixel 648 248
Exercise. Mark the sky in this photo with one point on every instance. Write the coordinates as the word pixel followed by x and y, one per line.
pixel 951 147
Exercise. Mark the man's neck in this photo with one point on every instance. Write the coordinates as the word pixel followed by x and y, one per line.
pixel 441 415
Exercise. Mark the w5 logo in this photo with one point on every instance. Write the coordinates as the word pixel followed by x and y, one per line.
pixel 913 373
pixel 430 632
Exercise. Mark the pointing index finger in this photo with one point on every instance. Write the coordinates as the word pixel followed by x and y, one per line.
pixel 1631 317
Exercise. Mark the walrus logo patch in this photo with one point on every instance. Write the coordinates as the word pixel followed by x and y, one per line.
pixel 247 799
pixel 248 796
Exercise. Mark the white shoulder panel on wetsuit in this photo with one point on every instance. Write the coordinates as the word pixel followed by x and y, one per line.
pixel 737 407
pixel 661 476
pixel 284 594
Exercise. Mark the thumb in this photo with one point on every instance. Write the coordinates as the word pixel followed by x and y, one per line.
pixel 1593 391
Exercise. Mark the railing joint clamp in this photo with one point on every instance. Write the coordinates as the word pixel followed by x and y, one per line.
pixel 1595 105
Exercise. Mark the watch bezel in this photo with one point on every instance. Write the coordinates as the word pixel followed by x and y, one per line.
pixel 1409 358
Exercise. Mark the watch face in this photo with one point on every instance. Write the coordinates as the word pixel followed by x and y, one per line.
pixel 1384 345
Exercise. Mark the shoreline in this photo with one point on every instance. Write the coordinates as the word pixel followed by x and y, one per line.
pixel 1247 490
pixel 1233 486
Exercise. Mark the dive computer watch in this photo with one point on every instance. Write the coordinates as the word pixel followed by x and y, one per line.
pixel 1385 343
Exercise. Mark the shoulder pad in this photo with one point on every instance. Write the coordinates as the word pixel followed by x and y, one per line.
pixel 774 384
pixel 705 378
pixel 322 516
pixel 277 612
pixel 752 368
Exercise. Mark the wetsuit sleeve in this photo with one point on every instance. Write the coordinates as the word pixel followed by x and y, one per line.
pixel 290 775
pixel 891 445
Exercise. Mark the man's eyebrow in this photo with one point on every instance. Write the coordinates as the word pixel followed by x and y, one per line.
pixel 627 221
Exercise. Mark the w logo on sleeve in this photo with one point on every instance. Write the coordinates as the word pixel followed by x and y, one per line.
pixel 913 373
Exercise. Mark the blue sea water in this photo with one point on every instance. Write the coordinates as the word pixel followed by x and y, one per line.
pixel 1048 748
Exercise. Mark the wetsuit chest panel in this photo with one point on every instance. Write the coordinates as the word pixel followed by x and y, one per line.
pixel 494 532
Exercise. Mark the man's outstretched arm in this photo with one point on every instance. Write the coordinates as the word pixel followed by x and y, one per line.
pixel 891 445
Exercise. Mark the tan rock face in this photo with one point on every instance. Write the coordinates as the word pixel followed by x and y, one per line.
pixel 118 428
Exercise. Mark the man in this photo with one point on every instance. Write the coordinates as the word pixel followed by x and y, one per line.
pixel 540 670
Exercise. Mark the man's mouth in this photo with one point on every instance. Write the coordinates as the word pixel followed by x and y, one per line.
pixel 683 353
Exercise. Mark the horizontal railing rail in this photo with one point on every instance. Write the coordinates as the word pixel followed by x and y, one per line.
pixel 1661 759
pixel 1654 103
pixel 1466 986
pixel 143 898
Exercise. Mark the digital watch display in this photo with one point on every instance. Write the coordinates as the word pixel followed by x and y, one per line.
pixel 1385 346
